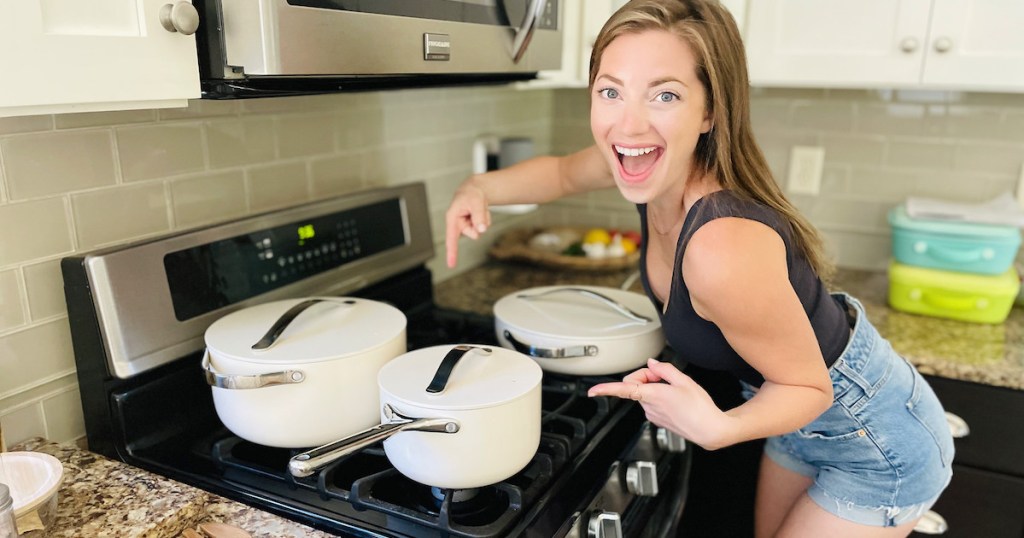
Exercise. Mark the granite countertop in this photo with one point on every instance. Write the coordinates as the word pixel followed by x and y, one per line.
pixel 988 354
pixel 100 497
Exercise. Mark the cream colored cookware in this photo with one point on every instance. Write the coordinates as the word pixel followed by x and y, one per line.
pixel 462 416
pixel 301 372
pixel 580 330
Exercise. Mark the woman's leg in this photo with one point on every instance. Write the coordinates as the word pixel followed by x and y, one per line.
pixel 778 489
pixel 808 520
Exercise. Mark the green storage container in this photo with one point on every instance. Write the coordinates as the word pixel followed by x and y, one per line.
pixel 948 294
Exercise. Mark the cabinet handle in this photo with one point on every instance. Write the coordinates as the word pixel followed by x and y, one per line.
pixel 957 426
pixel 179 17
pixel 943 44
pixel 909 44
pixel 931 523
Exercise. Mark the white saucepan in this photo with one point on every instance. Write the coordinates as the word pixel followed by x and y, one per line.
pixel 580 330
pixel 302 372
pixel 462 416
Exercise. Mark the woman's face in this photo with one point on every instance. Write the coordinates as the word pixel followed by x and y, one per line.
pixel 647 112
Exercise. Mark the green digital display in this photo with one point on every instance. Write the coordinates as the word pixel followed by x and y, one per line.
pixel 306 232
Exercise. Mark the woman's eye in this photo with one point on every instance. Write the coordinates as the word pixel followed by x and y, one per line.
pixel 666 97
pixel 609 93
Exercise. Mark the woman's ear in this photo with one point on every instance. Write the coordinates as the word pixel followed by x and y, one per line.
pixel 708 124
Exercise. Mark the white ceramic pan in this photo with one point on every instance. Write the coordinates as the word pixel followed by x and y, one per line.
pixel 301 372
pixel 462 416
pixel 580 330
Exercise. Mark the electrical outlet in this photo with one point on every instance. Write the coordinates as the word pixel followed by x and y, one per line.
pixel 805 166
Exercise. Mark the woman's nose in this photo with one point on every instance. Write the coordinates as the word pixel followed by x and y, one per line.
pixel 634 119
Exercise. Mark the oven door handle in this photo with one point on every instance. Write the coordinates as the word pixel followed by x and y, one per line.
pixel 525 32
pixel 569 352
pixel 246 382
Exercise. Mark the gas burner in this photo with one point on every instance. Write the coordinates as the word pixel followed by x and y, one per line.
pixel 457 495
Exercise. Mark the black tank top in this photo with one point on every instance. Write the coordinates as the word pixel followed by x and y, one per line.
pixel 699 341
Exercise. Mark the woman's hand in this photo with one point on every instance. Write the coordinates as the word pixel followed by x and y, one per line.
pixel 467 215
pixel 673 400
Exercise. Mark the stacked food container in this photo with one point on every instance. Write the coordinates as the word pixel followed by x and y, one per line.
pixel 951 269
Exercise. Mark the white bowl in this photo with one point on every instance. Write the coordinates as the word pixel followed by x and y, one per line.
pixel 34 479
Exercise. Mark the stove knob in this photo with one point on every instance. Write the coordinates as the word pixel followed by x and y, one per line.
pixel 605 525
pixel 670 441
pixel 642 478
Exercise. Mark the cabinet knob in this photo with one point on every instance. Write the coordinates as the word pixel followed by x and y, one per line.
pixel 943 44
pixel 909 44
pixel 179 17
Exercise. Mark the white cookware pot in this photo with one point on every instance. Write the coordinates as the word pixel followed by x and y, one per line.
pixel 301 372
pixel 580 330
pixel 462 416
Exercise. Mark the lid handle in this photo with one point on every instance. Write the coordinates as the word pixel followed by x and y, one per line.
pixel 286 319
pixel 612 303
pixel 444 370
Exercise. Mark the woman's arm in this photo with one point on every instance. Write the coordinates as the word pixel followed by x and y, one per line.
pixel 536 180
pixel 738 279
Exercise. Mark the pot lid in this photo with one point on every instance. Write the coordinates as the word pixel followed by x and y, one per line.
pixel 327 328
pixel 482 376
pixel 590 312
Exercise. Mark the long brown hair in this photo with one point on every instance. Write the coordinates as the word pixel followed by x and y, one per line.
pixel 728 151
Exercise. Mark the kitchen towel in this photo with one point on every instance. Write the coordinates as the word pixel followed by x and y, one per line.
pixel 1001 210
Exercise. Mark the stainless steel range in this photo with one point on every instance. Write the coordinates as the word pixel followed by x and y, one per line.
pixel 138 314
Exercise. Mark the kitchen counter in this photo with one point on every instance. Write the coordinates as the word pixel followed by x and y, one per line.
pixel 987 354
pixel 100 497
pixel 104 498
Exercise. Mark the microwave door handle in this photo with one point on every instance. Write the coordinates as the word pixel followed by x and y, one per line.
pixel 525 32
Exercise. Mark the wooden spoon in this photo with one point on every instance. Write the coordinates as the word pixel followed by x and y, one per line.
pixel 222 530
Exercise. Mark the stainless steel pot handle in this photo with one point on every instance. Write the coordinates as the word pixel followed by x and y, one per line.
pixel 245 382
pixel 309 462
pixel 570 352
pixel 615 305
pixel 286 319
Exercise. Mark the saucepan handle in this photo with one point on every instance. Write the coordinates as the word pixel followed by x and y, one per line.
pixel 309 462
pixel 246 382
pixel 569 352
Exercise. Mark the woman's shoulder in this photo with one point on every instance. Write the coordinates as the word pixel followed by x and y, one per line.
pixel 729 203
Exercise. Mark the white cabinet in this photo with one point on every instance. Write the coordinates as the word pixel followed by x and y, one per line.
pixel 73 56
pixel 941 44
pixel 582 20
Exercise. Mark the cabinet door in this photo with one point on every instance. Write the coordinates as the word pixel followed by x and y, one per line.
pixel 74 56
pixel 836 43
pixel 993 414
pixel 981 504
pixel 976 45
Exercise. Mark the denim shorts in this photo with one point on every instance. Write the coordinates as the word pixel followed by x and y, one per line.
pixel 882 453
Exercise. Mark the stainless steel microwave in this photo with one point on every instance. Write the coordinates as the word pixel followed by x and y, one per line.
pixel 278 47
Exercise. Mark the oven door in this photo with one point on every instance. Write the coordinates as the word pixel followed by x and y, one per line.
pixel 346 38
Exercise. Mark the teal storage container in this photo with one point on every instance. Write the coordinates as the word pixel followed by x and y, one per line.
pixel 965 247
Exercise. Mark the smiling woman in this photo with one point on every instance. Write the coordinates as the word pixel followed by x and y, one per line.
pixel 856 441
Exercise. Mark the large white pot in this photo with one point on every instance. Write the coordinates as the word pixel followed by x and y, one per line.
pixel 580 330
pixel 458 417
pixel 301 372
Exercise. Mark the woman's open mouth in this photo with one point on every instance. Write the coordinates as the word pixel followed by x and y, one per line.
pixel 635 164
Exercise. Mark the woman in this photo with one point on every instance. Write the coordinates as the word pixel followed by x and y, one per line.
pixel 857 443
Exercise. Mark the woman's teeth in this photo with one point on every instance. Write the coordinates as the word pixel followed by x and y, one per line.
pixel 634 152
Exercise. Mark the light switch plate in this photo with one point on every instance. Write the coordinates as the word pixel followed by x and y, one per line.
pixel 805 167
